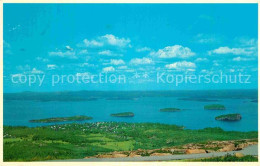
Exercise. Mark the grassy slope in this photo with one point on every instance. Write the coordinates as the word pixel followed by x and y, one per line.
pixel 80 140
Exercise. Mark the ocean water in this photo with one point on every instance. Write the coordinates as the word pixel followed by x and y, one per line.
pixel 145 107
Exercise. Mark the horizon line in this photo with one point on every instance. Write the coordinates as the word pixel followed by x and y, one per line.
pixel 128 90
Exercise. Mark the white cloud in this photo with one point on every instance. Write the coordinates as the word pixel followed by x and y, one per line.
pixel 207 38
pixel 67 54
pixel 176 51
pixel 190 69
pixel 105 52
pixel 235 51
pixel 86 64
pixel 122 67
pixel 206 71
pixel 232 70
pixel 183 65
pixel 143 49
pixel 83 52
pixel 107 39
pixel 42 59
pixel 36 71
pixel 244 41
pixel 215 63
pixel 117 62
pixel 92 43
pixel 115 41
pixel 203 71
pixel 23 68
pixel 242 59
pixel 83 74
pixel 141 61
pixel 69 48
pixel 201 60
pixel 51 66
pixel 108 69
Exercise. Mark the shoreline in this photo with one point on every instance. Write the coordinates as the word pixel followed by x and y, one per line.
pixel 93 122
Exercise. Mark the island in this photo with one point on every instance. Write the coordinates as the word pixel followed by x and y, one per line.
pixel 62 119
pixel 229 117
pixel 214 107
pixel 123 114
pixel 170 109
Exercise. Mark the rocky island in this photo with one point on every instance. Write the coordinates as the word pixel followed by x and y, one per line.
pixel 123 114
pixel 170 109
pixel 214 107
pixel 62 119
pixel 229 117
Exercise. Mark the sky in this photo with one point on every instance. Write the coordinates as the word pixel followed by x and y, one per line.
pixel 137 41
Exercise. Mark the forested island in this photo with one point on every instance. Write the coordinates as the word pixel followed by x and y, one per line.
pixel 170 109
pixel 62 119
pixel 123 114
pixel 229 117
pixel 214 107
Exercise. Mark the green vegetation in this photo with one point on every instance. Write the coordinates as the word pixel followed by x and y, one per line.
pixel 226 158
pixel 62 119
pixel 229 117
pixel 231 158
pixel 169 109
pixel 214 107
pixel 71 141
pixel 124 114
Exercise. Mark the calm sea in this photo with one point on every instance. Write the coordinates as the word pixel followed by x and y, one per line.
pixel 19 108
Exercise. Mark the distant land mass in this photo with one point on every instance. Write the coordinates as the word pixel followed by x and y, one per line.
pixel 195 95
pixel 199 99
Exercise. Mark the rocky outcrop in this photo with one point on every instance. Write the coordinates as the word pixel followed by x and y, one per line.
pixel 227 148
pixel 104 156
pixel 160 154
pixel 192 148
pixel 239 155
pixel 134 155
pixel 195 151
pixel 118 155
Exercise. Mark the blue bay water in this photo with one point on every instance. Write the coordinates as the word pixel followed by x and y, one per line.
pixel 146 109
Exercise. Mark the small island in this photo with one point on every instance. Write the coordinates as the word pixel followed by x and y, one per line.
pixel 214 107
pixel 229 117
pixel 170 109
pixel 123 114
pixel 62 119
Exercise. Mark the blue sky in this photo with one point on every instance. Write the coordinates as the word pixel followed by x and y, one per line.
pixel 80 39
